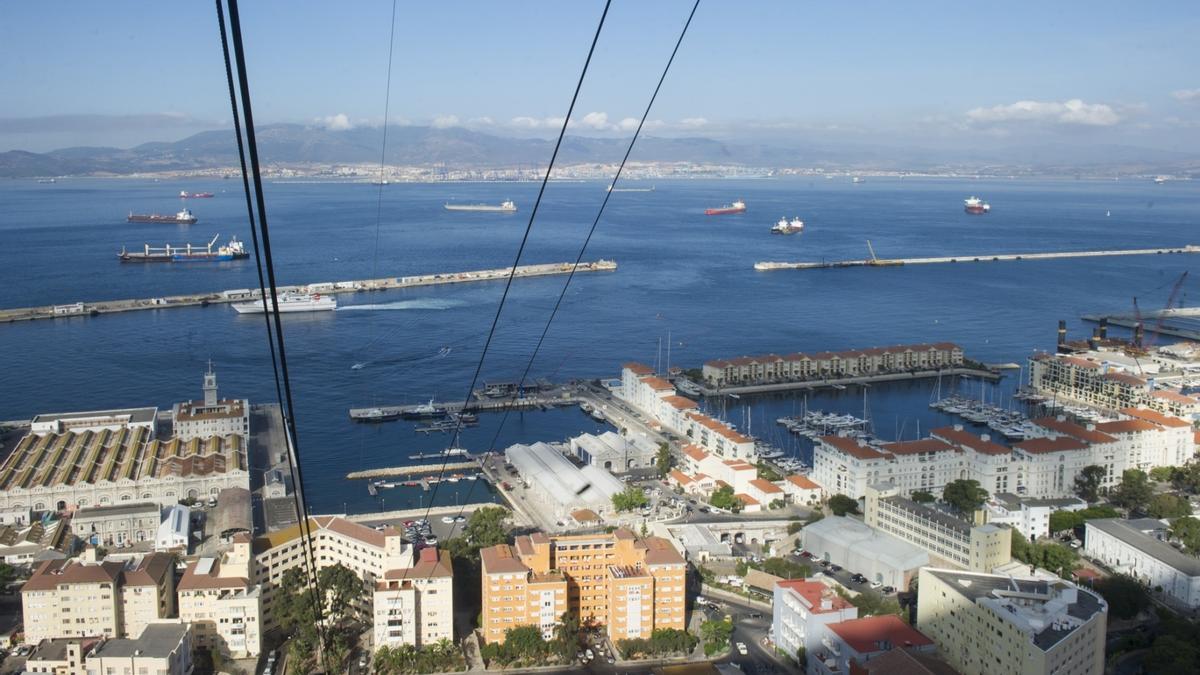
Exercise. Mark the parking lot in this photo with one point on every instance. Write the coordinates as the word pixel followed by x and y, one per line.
pixel 848 578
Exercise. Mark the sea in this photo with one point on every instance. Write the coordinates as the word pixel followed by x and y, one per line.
pixel 685 291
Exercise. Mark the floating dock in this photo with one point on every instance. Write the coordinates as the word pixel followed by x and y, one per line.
pixel 894 262
pixel 78 309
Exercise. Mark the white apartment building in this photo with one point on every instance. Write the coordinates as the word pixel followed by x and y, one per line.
pixel 983 459
pixel 414 606
pixel 981 547
pixel 852 647
pixel 1104 380
pixel 376 557
pixel 988 623
pixel 771 368
pixel 799 608
pixel 224 606
pixel 1030 517
pixel 1138 548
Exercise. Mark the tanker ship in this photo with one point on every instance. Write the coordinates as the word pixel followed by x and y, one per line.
pixel 184 194
pixel 234 250
pixel 184 217
pixel 507 206
pixel 737 207
pixel 976 206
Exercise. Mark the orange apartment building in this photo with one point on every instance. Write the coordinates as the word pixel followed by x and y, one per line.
pixel 630 585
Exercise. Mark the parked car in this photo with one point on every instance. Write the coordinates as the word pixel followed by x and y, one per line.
pixel 876 584
pixel 741 647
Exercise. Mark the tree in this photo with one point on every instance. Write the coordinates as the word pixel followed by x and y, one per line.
pixel 1187 530
pixel 1065 520
pixel 794 526
pixel 485 527
pixel 840 505
pixel 1087 483
pixel 1187 477
pixel 716 636
pixel 784 568
pixel 964 495
pixel 1125 595
pixel 1053 557
pixel 1171 654
pixel 664 461
pixel 723 498
pixel 923 496
pixel 566 634
pixel 1167 505
pixel 1134 491
pixel 342 590
pixel 1162 474
pixel 7 574
pixel 631 498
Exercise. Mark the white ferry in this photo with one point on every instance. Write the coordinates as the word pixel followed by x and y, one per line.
pixel 291 302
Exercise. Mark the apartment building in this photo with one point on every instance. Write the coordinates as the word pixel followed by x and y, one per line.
pixel 799 608
pixel 86 597
pixel 771 368
pixel 162 648
pixel 630 585
pixel 1139 548
pixel 1030 517
pixel 987 623
pixel 224 606
pixel 847 647
pixel 415 605
pixel 1105 380
pixel 375 556
pixel 982 547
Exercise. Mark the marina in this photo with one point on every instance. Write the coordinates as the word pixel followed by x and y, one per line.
pixel 874 261
pixel 243 295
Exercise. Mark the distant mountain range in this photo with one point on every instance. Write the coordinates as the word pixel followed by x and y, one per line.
pixel 298 145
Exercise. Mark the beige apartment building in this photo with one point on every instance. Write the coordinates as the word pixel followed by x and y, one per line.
pixel 86 597
pixel 375 556
pixel 979 547
pixel 163 648
pixel 224 606
pixel 632 586
pixel 988 623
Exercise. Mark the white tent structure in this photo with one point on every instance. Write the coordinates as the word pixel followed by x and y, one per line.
pixel 561 484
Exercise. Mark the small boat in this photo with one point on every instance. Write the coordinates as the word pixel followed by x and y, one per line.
pixel 375 415
pixel 423 411
pixel 858 179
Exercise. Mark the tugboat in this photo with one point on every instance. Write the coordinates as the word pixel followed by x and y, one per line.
pixel 976 206
pixel 184 217
pixel 785 227
pixel 737 207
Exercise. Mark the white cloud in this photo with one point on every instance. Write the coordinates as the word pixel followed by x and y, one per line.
pixel 445 121
pixel 1186 95
pixel 628 124
pixel 596 120
pixel 693 122
pixel 484 121
pixel 338 122
pixel 1074 112
pixel 536 123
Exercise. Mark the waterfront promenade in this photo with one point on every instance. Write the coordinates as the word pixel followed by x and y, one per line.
pixel 84 308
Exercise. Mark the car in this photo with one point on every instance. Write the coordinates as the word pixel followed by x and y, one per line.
pixel 876 584
pixel 701 600
pixel 705 509
pixel 448 519
pixel 741 647
pixel 805 554
pixel 888 590
pixel 824 563
pixel 857 578
pixel 589 653
pixel 363 661
pixel 431 540
pixel 273 656
pixel 460 519
pixel 611 660
pixel 754 615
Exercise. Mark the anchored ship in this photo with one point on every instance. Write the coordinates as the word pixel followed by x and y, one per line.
pixel 291 302
pixel 737 207
pixel 610 188
pixel 507 206
pixel 976 206
pixel 184 217
pixel 786 227
pixel 184 194
pixel 234 250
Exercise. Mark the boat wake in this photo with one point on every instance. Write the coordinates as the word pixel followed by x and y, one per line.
pixel 436 356
pixel 405 305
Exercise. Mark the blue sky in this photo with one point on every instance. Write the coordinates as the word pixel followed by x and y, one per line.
pixel 941 73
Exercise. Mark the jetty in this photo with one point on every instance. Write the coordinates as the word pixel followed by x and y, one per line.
pixel 874 261
pixel 95 308
pixel 1181 322
pixel 415 470
pixel 387 413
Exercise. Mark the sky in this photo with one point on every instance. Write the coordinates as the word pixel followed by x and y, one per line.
pixel 936 74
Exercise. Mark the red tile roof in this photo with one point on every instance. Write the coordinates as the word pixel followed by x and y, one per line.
pixel 150 570
pixel 1123 378
pixel 1127 427
pixel 1039 446
pixel 915 447
pixel 659 551
pixel 1156 417
pixel 1073 430
pixel 747 499
pixel 1174 396
pixel 638 368
pixel 657 383
pixel 766 487
pixel 193 581
pixel 968 440
pixel 813 592
pixel 803 482
pixel 500 559
pixel 878 633
pixel 1081 363
pixel 680 402
pixel 830 356
pixel 49 574
pixel 680 477
pixel 849 446
pixel 695 452
pixel 718 428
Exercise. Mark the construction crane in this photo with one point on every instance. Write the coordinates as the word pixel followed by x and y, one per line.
pixel 1162 316
pixel 875 261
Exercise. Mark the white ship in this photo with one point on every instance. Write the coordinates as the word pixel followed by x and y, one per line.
pixel 785 227
pixel 291 302
pixel 507 206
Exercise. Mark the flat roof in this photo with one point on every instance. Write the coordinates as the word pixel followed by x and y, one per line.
pixel 115 510
pixel 1133 532
pixel 941 518
pixel 158 640
pixel 136 415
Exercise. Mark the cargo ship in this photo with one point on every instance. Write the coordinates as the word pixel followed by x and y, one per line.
pixel 506 206
pixel 291 301
pixel 234 250
pixel 786 227
pixel 184 194
pixel 976 206
pixel 737 207
pixel 184 217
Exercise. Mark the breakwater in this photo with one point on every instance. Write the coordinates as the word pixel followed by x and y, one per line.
pixel 83 308
pixel 894 262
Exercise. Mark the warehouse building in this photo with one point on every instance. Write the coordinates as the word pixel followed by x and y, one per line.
pixel 613 452
pixel 876 555
pixel 558 484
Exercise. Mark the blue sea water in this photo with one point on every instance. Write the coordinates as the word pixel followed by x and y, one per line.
pixel 680 274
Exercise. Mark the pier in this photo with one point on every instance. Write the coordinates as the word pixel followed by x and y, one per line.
pixel 1187 321
pixel 78 309
pixel 894 262
pixel 841 383
pixel 387 413
pixel 417 470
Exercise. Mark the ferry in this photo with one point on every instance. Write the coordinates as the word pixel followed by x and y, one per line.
pixel 788 227
pixel 291 301
pixel 737 207
pixel 184 194
pixel 234 250
pixel 184 217
pixel 506 206
pixel 976 206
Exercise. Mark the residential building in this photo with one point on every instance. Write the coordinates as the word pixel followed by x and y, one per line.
pixel 415 605
pixel 161 648
pixel 86 597
pixel 800 608
pixel 117 524
pixel 28 543
pixel 800 489
pixel 1104 379
pixel 221 602
pixel 375 556
pixel 211 416
pixel 988 623
pixel 847 646
pixel 630 585
pixel 984 460
pixel 1030 517
pixel 1139 548
pixel 981 547
pixel 873 553
pixel 772 368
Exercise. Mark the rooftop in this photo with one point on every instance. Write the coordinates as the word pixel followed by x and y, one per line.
pixel 1134 533
pixel 134 415
pixel 968 440
pixel 116 510
pixel 158 640
pixel 916 447
pixel 1073 430
pixel 638 368
pixel 657 383
pixel 815 594
pixel 1040 446
pixel 931 514
pixel 852 447
pixel 843 355
pixel 878 634
pixel 803 482
pixel 1156 417
pixel 500 559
